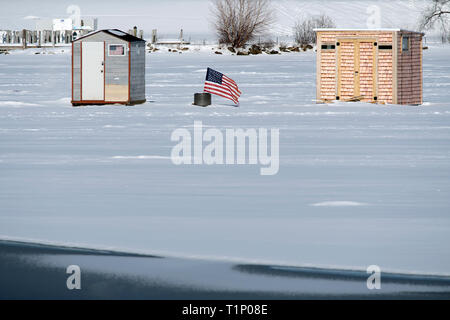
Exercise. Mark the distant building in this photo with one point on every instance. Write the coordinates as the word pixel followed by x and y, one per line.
pixel 48 32
pixel 84 26
pixel 62 24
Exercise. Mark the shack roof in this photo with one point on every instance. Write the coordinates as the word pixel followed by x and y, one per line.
pixel 366 30
pixel 115 33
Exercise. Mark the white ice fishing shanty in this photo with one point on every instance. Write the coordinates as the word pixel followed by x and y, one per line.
pixel 108 67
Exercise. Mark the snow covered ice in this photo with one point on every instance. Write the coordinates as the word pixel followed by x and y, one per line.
pixel 359 184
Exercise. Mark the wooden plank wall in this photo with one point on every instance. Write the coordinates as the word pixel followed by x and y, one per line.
pixel 327 75
pixel 347 70
pixel 410 82
pixel 367 74
pixel 385 75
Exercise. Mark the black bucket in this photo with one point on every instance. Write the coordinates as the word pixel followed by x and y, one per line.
pixel 202 99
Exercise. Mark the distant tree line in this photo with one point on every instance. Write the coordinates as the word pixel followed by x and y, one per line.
pixel 238 22
pixel 437 14
pixel 304 33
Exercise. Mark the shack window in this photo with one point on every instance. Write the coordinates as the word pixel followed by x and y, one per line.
pixel 116 50
pixel 405 44
pixel 328 47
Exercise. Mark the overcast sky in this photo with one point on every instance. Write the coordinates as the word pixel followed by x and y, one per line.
pixel 169 16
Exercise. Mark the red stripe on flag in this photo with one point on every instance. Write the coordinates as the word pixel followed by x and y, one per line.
pixel 225 89
pixel 236 93
pixel 221 95
pixel 221 92
pixel 229 79
pixel 231 82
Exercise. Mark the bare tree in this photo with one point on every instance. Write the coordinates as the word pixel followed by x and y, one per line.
pixel 437 14
pixel 239 21
pixel 304 33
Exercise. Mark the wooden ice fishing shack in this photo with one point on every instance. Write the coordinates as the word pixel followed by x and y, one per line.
pixel 108 67
pixel 378 66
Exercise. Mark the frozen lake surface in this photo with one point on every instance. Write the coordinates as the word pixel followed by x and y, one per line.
pixel 358 185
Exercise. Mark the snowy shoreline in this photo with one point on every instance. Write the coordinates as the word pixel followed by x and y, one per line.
pixel 281 265
pixel 39 269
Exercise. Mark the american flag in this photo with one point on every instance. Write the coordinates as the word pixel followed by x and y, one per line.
pixel 116 50
pixel 219 84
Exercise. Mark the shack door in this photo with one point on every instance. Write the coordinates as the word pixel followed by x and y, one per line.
pixel 357 70
pixel 93 55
